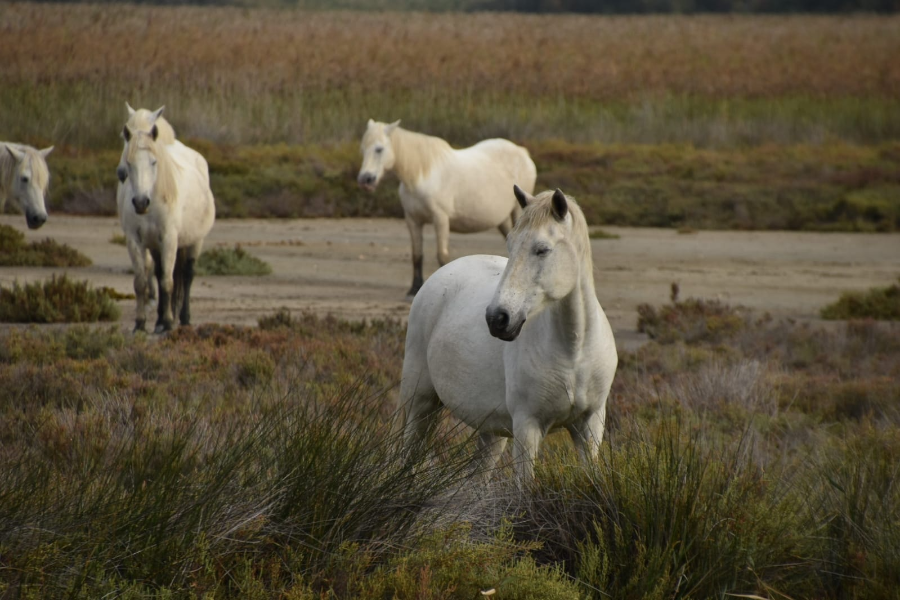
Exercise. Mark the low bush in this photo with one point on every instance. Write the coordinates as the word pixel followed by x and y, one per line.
pixel 57 300
pixel 691 321
pixel 14 252
pixel 231 261
pixel 878 303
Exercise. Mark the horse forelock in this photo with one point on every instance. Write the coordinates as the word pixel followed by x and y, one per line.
pixel 141 120
pixel 165 176
pixel 539 214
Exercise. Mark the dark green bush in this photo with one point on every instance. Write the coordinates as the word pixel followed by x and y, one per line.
pixel 14 252
pixel 231 261
pixel 58 300
pixel 878 303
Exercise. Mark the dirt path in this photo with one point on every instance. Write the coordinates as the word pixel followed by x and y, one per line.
pixel 361 267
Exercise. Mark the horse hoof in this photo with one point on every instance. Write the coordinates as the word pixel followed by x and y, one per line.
pixel 140 327
pixel 162 328
pixel 412 293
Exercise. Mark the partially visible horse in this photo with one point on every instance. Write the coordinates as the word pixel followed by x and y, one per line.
pixel 24 177
pixel 167 208
pixel 463 191
pixel 546 357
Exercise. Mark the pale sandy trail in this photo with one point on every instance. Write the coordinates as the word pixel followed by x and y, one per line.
pixel 358 268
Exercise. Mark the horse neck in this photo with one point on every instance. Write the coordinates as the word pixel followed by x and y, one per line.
pixel 415 154
pixel 574 317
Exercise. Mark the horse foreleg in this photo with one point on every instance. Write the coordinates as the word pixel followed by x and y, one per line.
pixel 164 265
pixel 141 283
pixel 187 274
pixel 442 234
pixel 588 434
pixel 527 436
pixel 415 237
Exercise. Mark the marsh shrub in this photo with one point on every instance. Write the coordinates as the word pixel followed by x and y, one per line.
pixel 15 252
pixel 231 261
pixel 691 321
pixel 877 303
pixel 57 300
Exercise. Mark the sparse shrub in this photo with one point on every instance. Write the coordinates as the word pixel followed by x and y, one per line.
pixel 57 300
pixel 14 252
pixel 600 234
pixel 231 261
pixel 878 303
pixel 692 321
pixel 254 368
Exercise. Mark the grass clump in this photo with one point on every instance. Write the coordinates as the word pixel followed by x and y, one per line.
pixel 691 321
pixel 58 300
pixel 14 252
pixel 882 304
pixel 231 261
pixel 600 234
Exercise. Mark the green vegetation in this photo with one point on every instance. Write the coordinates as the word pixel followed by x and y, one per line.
pixel 57 300
pixel 877 303
pixel 231 261
pixel 234 462
pixel 600 234
pixel 15 252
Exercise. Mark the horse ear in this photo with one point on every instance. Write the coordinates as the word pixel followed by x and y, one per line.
pixel 131 111
pixel 390 128
pixel 370 123
pixel 157 114
pixel 560 205
pixel 522 196
pixel 46 151
pixel 16 153
pixel 154 132
pixel 126 134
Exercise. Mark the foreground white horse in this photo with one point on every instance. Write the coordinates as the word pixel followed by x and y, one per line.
pixel 463 191
pixel 24 177
pixel 546 357
pixel 166 207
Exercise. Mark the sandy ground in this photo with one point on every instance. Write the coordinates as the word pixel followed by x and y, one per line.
pixel 358 268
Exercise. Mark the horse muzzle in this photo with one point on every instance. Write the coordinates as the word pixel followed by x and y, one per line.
pixel 501 325
pixel 367 181
pixel 141 203
pixel 35 220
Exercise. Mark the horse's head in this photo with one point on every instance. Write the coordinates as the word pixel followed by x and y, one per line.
pixel 31 178
pixel 377 152
pixel 544 261
pixel 141 158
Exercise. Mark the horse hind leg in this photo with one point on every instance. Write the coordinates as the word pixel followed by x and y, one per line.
pixel 415 237
pixel 189 260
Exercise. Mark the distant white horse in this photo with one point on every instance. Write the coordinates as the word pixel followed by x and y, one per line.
pixel 24 177
pixel 463 191
pixel 546 357
pixel 166 207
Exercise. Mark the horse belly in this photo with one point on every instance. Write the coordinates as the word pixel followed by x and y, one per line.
pixel 464 362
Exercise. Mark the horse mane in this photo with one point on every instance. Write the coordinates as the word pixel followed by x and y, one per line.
pixel 416 153
pixel 40 174
pixel 140 121
pixel 166 189
pixel 539 213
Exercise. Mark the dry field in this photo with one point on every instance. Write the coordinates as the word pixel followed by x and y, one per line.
pixel 239 76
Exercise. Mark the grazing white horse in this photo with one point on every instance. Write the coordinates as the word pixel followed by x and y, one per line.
pixel 167 209
pixel 463 191
pixel 24 177
pixel 546 357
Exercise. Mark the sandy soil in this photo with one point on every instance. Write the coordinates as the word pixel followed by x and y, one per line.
pixel 361 267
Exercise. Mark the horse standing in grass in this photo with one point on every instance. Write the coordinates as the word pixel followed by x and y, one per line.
pixel 24 177
pixel 463 191
pixel 167 209
pixel 546 357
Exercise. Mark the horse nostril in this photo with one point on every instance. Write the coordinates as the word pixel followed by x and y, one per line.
pixel 499 320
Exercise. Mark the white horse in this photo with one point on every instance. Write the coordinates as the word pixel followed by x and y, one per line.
pixel 546 358
pixel 24 177
pixel 166 207
pixel 463 191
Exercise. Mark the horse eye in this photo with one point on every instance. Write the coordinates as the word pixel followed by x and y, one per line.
pixel 541 251
pixel 379 150
pixel 24 179
pixel 153 163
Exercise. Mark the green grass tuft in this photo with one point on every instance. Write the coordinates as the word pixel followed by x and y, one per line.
pixel 882 304
pixel 600 234
pixel 15 252
pixel 58 300
pixel 231 261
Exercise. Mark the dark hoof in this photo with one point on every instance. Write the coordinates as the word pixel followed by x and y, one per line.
pixel 413 291
pixel 163 327
pixel 140 327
